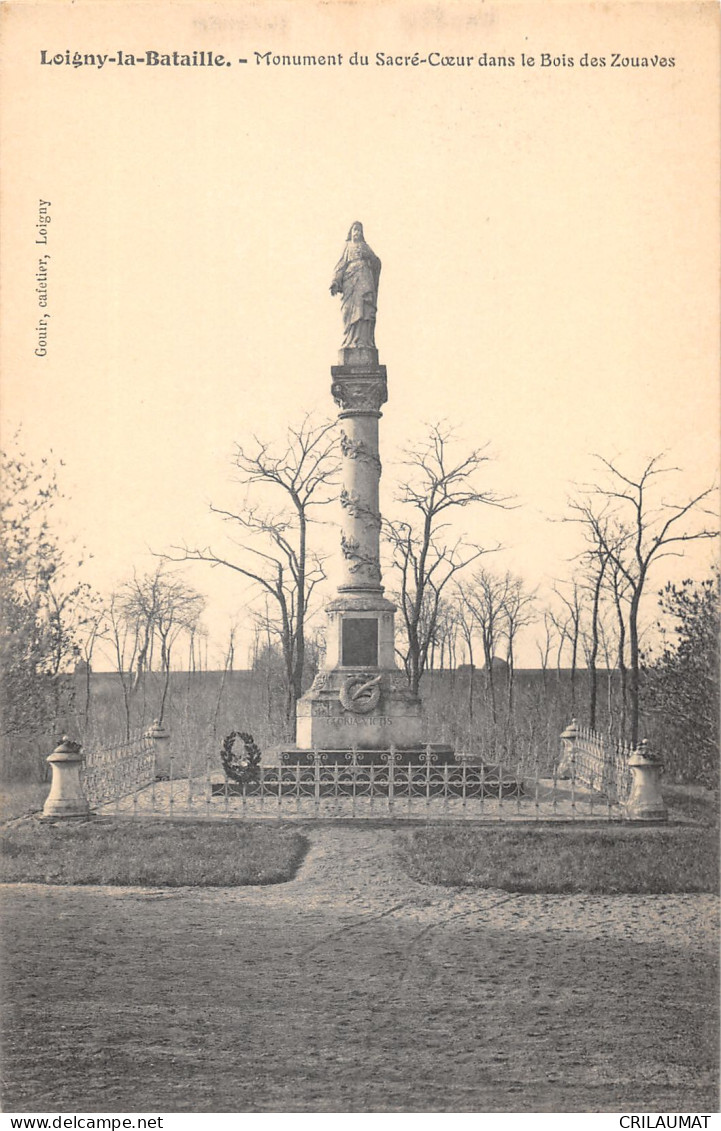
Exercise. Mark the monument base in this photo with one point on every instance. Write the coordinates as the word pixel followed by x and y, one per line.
pixel 359 708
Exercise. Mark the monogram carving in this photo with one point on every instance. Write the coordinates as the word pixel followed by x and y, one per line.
pixel 359 694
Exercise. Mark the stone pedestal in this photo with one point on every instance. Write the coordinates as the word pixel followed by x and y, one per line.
pixel 161 746
pixel 66 797
pixel 645 802
pixel 565 768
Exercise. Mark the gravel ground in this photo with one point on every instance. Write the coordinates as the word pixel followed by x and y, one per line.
pixel 355 989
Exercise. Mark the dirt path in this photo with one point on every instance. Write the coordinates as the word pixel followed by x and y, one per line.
pixel 353 988
pixel 354 870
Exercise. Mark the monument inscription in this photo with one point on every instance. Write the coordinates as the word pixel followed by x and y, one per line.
pixel 359 647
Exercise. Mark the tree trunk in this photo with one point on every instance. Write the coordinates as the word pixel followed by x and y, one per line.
pixel 290 701
pixel 622 662
pixel 574 660
pixel 86 709
pixel 490 686
pixel 228 666
pixel 633 683
pixel 470 682
pixel 593 690
pixel 165 661
pixel 414 657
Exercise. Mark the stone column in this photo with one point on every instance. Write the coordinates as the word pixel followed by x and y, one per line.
pixel 359 699
pixel 66 797
pixel 359 389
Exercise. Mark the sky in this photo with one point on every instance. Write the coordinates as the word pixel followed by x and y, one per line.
pixel 548 235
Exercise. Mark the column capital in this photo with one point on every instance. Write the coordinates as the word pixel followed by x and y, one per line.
pixel 355 391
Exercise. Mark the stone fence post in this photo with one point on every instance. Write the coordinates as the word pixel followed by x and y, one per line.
pixel 66 797
pixel 645 802
pixel 161 749
pixel 568 751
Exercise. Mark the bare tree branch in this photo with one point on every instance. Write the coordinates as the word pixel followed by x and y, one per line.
pixel 627 531
pixel 272 550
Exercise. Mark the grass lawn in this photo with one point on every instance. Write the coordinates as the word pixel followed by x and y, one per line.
pixel 20 797
pixel 601 860
pixel 157 853
pixel 691 803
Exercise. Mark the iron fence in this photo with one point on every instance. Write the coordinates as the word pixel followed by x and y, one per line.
pixel 601 764
pixel 346 784
pixel 118 770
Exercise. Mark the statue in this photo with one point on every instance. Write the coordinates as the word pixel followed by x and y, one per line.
pixel 356 281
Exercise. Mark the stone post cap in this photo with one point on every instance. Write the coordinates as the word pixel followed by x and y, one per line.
pixel 571 730
pixel 157 730
pixel 642 756
pixel 66 751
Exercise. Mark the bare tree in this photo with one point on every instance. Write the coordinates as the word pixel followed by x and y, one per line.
pixel 484 597
pixel 150 612
pixel 465 624
pixel 560 625
pixel 227 669
pixel 618 588
pixel 124 639
pixel 544 646
pixel 635 528
pixel 179 611
pixel 569 626
pixel 42 604
pixel 426 553
pixel 445 636
pixel 518 608
pixel 608 645
pixel 93 627
pixel 595 569
pixel 597 563
pixel 273 537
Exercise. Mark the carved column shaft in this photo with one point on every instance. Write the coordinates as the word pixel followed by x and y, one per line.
pixel 360 396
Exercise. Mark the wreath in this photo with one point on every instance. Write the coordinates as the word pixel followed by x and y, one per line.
pixel 240 768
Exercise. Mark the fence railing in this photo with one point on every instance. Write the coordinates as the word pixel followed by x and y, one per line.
pixel 595 778
pixel 349 776
pixel 602 764
pixel 114 771
pixel 346 785
pixel 627 776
